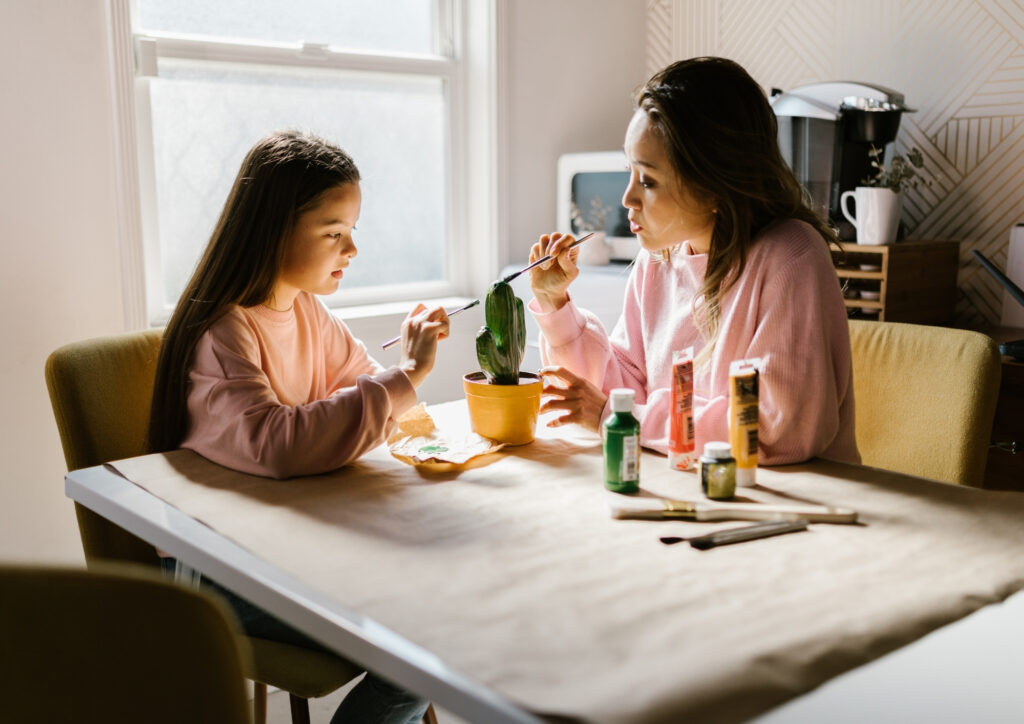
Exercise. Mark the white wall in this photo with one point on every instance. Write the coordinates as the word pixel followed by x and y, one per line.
pixel 571 67
pixel 58 251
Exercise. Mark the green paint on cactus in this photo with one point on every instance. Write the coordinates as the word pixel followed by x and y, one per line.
pixel 500 343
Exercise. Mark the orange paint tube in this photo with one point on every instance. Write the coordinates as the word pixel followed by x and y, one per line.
pixel 743 416
pixel 682 445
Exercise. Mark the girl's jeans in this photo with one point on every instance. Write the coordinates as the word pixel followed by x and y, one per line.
pixel 372 701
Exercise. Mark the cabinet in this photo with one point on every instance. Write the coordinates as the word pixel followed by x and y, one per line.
pixel 910 281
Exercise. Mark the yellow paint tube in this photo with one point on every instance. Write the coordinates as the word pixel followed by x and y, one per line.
pixel 743 414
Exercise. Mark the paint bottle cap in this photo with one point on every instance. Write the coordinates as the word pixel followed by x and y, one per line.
pixel 717 450
pixel 622 399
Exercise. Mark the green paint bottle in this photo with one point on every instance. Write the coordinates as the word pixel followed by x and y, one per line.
pixel 621 436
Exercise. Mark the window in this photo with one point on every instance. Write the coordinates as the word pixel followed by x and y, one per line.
pixel 387 80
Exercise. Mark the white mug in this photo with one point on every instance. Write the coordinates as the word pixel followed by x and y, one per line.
pixel 878 213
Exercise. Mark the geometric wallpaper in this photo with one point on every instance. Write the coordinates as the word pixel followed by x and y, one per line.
pixel 959 63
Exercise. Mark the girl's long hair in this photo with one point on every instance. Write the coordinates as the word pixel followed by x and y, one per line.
pixel 722 139
pixel 283 175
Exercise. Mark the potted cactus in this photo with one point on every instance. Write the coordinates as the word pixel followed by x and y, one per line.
pixel 503 401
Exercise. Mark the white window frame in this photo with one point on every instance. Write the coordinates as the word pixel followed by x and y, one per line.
pixel 468 65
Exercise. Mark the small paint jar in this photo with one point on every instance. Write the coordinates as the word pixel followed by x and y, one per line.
pixel 718 471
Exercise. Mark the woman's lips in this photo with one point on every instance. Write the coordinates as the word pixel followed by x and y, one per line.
pixel 634 227
pixel 338 273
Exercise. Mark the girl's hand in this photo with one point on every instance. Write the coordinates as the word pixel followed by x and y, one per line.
pixel 582 400
pixel 550 281
pixel 421 330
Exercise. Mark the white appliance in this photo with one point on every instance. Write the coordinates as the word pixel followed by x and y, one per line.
pixel 592 184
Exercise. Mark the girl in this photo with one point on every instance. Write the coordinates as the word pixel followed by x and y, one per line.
pixel 733 263
pixel 255 374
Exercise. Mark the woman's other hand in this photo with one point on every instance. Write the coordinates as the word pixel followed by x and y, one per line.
pixel 421 330
pixel 581 400
pixel 550 281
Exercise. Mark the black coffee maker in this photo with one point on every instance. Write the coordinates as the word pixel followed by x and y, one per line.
pixel 826 132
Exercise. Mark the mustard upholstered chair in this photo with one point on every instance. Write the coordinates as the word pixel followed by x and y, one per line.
pixel 101 390
pixel 925 398
pixel 119 644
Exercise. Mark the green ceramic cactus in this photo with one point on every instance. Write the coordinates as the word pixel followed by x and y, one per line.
pixel 500 343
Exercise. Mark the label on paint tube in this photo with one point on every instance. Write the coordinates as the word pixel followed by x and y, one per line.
pixel 682 441
pixel 743 417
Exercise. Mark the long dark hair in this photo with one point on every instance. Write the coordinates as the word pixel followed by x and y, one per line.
pixel 722 139
pixel 284 174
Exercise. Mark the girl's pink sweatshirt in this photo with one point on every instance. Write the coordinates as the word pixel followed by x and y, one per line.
pixel 289 393
pixel 786 308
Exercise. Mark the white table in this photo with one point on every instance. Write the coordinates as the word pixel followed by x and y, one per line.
pixel 970 681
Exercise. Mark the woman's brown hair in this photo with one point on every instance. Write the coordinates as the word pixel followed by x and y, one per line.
pixel 283 175
pixel 722 139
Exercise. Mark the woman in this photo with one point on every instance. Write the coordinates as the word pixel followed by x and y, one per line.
pixel 734 263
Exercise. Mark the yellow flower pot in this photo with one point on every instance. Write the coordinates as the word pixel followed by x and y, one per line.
pixel 506 413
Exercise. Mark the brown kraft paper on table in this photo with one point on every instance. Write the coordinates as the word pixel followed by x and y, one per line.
pixel 516 576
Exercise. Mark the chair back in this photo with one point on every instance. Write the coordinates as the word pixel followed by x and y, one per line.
pixel 925 398
pixel 118 644
pixel 101 391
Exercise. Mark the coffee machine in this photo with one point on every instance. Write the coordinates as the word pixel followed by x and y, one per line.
pixel 826 132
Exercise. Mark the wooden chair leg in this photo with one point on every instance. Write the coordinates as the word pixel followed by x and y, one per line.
pixel 300 709
pixel 429 717
pixel 259 703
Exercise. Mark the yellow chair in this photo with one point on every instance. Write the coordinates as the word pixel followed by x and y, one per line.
pixel 119 644
pixel 101 390
pixel 925 399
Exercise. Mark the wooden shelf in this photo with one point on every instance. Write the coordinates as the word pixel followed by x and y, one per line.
pixel 915 280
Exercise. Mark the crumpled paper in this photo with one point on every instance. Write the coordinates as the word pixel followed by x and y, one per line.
pixel 419 442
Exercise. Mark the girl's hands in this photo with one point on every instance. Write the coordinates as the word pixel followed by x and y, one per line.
pixel 421 330
pixel 550 281
pixel 582 400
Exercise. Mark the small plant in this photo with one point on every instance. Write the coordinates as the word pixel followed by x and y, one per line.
pixel 501 342
pixel 902 172
pixel 594 221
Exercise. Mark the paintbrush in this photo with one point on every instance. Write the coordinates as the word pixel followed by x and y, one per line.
pixel 396 340
pixel 549 257
pixel 710 510
pixel 510 277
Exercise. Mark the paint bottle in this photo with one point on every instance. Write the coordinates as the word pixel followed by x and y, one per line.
pixel 717 469
pixel 620 434
pixel 743 417
pixel 681 444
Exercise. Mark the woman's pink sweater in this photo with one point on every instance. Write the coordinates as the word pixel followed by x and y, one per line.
pixel 786 308
pixel 289 393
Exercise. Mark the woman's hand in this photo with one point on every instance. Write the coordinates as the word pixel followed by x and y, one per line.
pixel 550 281
pixel 421 330
pixel 582 400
